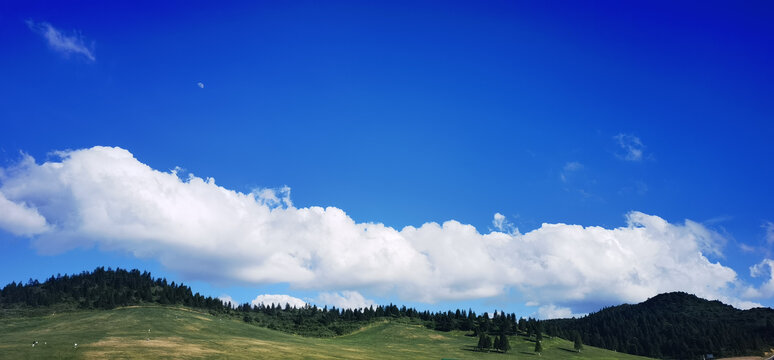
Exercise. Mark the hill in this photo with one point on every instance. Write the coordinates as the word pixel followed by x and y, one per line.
pixel 674 325
pixel 181 332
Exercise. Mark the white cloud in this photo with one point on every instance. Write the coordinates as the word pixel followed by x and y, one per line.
pixel 555 312
pixel 344 300
pixel 104 196
pixel 225 299
pixel 573 166
pixel 274 197
pixel 632 147
pixel 501 224
pixel 747 248
pixel 200 85
pixel 764 269
pixel 769 237
pixel 20 219
pixel 278 300
pixel 65 44
pixel 568 169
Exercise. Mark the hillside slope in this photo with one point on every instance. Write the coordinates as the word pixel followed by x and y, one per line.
pixel 180 332
pixel 674 325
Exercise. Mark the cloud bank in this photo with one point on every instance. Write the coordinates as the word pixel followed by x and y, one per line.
pixel 278 300
pixel 345 300
pixel 104 197
pixel 62 43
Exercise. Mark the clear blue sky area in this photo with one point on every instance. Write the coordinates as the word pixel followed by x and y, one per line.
pixel 407 112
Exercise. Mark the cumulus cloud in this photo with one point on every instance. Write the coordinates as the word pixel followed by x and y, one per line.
pixel 104 197
pixel 631 146
pixel 344 300
pixel 61 42
pixel 20 219
pixel 555 312
pixel 225 299
pixel 278 300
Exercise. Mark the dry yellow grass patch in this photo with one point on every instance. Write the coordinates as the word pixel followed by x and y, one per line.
pixel 116 347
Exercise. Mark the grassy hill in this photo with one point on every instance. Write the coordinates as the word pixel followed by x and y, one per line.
pixel 675 325
pixel 180 332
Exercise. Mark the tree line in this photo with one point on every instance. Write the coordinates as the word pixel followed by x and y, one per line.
pixel 110 288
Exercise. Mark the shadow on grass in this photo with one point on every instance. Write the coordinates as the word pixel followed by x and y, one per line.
pixel 470 348
pixel 475 349
pixel 568 350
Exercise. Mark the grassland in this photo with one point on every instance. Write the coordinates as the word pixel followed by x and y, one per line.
pixel 177 332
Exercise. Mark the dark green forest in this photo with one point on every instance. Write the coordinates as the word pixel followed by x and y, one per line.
pixel 673 325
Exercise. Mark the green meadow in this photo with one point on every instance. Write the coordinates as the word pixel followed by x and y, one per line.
pixel 177 332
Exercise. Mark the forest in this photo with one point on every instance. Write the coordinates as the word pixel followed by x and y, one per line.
pixel 672 325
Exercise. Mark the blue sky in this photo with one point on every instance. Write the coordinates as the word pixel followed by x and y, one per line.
pixel 405 113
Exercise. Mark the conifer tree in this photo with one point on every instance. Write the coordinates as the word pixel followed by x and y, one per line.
pixel 578 342
pixel 522 325
pixel 504 344
pixel 538 347
pixel 487 342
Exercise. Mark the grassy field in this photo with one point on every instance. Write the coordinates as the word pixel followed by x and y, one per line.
pixel 183 333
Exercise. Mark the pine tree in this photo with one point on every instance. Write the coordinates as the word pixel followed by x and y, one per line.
pixel 497 343
pixel 578 342
pixel 487 342
pixel 481 342
pixel 538 347
pixel 522 325
pixel 504 344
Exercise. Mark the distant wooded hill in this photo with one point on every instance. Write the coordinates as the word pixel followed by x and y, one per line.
pixel 673 325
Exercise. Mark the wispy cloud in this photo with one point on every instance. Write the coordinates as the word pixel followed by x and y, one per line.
pixel 568 169
pixel 762 270
pixel 501 224
pixel 61 42
pixel 104 197
pixel 769 237
pixel 747 248
pixel 764 246
pixel 631 146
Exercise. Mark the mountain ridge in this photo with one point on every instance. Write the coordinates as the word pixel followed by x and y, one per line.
pixel 674 325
